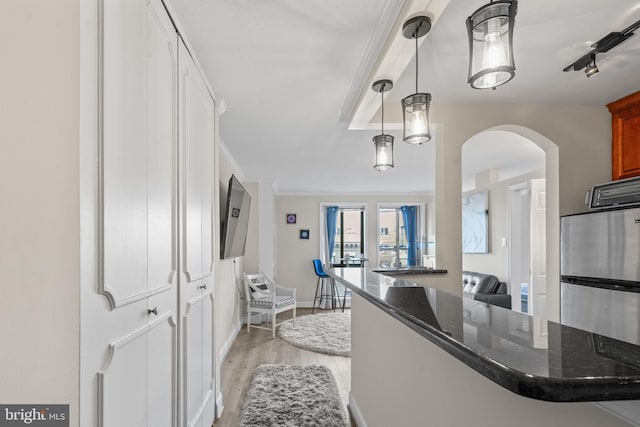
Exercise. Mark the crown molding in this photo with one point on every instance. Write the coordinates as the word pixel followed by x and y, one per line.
pixel 234 165
pixel 390 13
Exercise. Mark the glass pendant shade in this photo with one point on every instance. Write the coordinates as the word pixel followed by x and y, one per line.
pixel 490 31
pixel 415 107
pixel 415 113
pixel 383 145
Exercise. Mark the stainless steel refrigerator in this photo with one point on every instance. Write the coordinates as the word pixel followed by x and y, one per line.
pixel 600 272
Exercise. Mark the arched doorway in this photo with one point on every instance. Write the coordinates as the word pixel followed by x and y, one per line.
pixel 517 168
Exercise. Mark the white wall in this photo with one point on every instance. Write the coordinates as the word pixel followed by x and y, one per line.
pixel 39 189
pixel 496 262
pixel 294 267
pixel 252 255
pixel 268 237
pixel 228 271
pixel 582 135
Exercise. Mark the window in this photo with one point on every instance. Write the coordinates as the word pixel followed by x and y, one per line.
pixel 392 246
pixel 396 247
pixel 348 248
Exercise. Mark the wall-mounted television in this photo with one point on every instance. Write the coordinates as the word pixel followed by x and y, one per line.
pixel 235 221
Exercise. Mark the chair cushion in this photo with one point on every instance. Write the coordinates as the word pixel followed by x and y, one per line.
pixel 260 290
pixel 266 302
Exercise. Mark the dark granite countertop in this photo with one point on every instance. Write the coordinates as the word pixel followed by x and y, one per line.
pixel 409 270
pixel 532 357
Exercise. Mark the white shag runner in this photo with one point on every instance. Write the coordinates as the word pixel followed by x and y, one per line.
pixel 328 333
pixel 292 396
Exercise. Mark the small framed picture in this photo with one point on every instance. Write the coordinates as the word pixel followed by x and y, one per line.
pixel 291 218
pixel 304 234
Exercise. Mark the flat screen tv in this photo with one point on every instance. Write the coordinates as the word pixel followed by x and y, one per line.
pixel 235 221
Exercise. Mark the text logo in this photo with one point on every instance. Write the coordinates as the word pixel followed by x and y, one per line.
pixel 34 415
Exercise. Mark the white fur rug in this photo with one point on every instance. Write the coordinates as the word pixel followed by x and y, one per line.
pixel 328 333
pixel 292 396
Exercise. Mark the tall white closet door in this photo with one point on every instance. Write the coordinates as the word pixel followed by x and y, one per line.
pixel 135 330
pixel 196 139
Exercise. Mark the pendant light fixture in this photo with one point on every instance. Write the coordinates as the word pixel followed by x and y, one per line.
pixel 490 31
pixel 382 143
pixel 415 108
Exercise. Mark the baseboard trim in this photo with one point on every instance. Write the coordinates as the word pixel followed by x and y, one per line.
pixel 354 410
pixel 221 358
pixel 309 304
pixel 227 345
pixel 219 406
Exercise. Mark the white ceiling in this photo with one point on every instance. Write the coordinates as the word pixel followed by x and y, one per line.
pixel 286 67
pixel 509 154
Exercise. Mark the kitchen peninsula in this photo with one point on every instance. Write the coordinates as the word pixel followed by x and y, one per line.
pixel 422 356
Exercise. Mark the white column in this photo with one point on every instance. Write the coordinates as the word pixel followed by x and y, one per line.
pixel 266 225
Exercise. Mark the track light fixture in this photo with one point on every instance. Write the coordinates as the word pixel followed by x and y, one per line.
pixel 415 107
pixel 605 44
pixel 490 31
pixel 592 68
pixel 382 143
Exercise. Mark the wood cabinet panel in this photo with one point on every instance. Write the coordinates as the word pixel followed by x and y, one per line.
pixel 162 373
pixel 625 123
pixel 196 142
pixel 138 212
pixel 124 151
pixel 123 383
pixel 137 383
pixel 162 79
pixel 198 362
pixel 138 179
pixel 197 133
pixel 208 361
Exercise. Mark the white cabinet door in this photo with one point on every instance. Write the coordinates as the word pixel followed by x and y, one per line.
pixel 196 141
pixel 136 387
pixel 136 332
pixel 124 166
pixel 138 167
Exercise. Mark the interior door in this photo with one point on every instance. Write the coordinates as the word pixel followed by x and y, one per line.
pixel 519 246
pixel 135 332
pixel 538 289
pixel 196 141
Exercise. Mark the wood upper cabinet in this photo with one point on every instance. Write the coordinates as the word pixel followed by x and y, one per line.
pixel 626 136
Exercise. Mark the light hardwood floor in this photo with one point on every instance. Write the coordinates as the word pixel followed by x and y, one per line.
pixel 253 349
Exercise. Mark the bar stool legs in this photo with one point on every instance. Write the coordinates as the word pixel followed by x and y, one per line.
pixel 335 295
pixel 315 296
pixel 344 298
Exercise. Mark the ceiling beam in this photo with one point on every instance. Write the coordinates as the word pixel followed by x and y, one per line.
pixel 386 57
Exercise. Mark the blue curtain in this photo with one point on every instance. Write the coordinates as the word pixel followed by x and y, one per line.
pixel 332 217
pixel 410 217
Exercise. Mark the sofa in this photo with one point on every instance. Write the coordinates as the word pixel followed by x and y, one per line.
pixel 486 288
